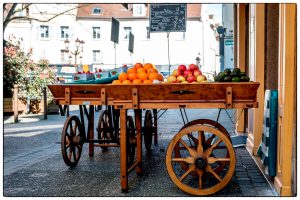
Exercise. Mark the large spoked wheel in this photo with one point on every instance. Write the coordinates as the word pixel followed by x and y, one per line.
pixel 200 178
pixel 207 141
pixel 72 139
pixel 131 141
pixel 148 130
pixel 104 128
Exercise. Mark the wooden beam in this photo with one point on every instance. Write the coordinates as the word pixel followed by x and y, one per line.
pixel 256 71
pixel 286 99
pixel 241 56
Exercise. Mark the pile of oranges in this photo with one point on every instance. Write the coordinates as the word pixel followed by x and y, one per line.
pixel 139 74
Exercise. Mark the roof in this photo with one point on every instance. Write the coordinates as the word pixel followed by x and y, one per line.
pixel 120 11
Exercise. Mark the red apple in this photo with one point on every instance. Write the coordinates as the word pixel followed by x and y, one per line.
pixel 197 73
pixel 181 69
pixel 171 79
pixel 175 72
pixel 79 73
pixel 187 73
pixel 180 78
pixel 191 79
pixel 201 78
pixel 193 67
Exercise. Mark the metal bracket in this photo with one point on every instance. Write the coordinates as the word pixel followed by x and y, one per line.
pixel 135 98
pixel 228 97
pixel 67 96
pixel 103 96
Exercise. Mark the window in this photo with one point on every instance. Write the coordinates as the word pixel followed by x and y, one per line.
pixel 64 32
pixel 97 56
pixel 127 30
pixel 147 32
pixel 97 11
pixel 139 10
pixel 62 56
pixel 96 32
pixel 44 31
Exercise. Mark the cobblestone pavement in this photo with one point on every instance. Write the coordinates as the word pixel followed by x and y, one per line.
pixel 33 165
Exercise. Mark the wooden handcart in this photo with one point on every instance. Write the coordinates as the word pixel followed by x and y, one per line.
pixel 200 159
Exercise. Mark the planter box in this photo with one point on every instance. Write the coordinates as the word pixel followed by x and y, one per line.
pixel 8 105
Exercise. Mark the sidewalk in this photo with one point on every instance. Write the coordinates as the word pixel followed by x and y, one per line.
pixel 33 165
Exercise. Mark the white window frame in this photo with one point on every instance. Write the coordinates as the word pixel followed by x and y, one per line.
pixel 64 32
pixel 97 8
pixel 126 31
pixel 97 57
pixel 96 33
pixel 43 32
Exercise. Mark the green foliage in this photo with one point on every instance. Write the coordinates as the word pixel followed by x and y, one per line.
pixel 19 68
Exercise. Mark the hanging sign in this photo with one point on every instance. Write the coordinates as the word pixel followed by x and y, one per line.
pixel 167 17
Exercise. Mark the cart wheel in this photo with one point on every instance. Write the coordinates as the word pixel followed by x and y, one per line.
pixel 218 166
pixel 72 139
pixel 200 161
pixel 104 128
pixel 148 130
pixel 131 141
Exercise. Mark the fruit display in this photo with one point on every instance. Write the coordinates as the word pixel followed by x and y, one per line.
pixel 232 76
pixel 182 74
pixel 139 74
pixel 83 76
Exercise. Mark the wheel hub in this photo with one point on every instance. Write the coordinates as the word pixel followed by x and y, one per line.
pixel 200 163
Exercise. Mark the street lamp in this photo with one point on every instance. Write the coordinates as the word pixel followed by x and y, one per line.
pixel 79 49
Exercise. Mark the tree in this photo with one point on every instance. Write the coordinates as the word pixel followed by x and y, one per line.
pixel 11 13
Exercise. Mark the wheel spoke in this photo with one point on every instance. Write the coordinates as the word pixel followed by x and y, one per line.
pixel 68 141
pixel 70 154
pixel 75 128
pixel 192 168
pixel 210 149
pixel 208 168
pixel 74 154
pixel 200 139
pixel 211 160
pixel 200 173
pixel 191 151
pixel 189 160
pixel 209 140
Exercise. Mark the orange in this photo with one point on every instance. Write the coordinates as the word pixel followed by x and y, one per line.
pixel 151 70
pixel 116 82
pixel 147 81
pixel 132 76
pixel 123 76
pixel 153 76
pixel 148 65
pixel 139 70
pixel 138 65
pixel 160 77
pixel 131 70
pixel 143 76
pixel 137 81
pixel 126 82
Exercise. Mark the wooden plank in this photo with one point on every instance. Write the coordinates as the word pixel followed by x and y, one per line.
pixel 229 97
pixel 135 98
pixel 123 153
pixel 67 96
pixel 138 125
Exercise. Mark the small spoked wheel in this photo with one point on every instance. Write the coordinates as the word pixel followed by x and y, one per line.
pixel 148 130
pixel 200 177
pixel 207 141
pixel 72 139
pixel 131 141
pixel 104 128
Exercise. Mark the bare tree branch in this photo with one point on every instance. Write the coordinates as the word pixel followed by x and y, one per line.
pixel 12 11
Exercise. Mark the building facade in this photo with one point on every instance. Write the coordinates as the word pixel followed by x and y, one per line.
pixel 92 24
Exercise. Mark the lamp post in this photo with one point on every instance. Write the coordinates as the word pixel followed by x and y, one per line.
pixel 79 49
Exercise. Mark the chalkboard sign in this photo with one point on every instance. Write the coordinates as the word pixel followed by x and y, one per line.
pixel 131 42
pixel 167 17
pixel 114 36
